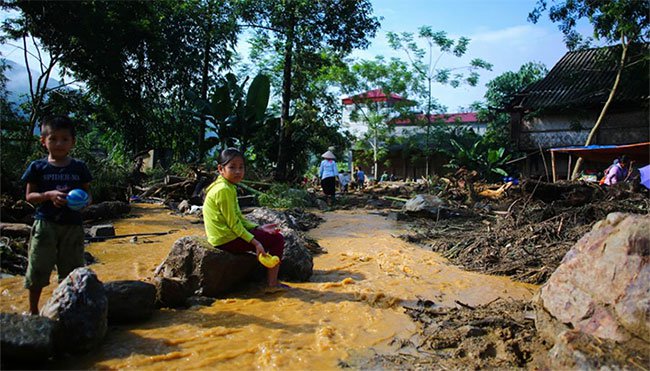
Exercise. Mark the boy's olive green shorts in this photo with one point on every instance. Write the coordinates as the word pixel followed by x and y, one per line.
pixel 53 244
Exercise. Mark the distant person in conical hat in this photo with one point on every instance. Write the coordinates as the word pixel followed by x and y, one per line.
pixel 327 172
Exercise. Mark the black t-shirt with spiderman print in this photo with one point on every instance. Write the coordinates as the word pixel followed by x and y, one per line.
pixel 48 177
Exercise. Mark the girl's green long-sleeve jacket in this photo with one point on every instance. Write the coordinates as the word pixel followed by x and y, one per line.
pixel 222 216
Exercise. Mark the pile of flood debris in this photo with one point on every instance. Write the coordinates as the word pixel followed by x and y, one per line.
pixel 496 335
pixel 526 231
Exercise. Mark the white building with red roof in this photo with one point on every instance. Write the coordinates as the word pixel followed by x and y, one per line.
pixel 403 126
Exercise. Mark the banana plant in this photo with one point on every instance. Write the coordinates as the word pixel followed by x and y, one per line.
pixel 234 113
pixel 487 162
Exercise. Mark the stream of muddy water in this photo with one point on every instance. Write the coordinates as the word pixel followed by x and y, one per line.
pixel 352 306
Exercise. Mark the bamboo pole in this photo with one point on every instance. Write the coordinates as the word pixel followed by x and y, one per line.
pixel 255 182
pixel 568 175
pixel 250 189
pixel 553 166
pixel 390 198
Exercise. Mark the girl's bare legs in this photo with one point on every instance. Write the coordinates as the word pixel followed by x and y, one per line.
pixel 272 275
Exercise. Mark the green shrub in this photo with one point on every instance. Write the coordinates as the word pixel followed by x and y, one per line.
pixel 281 196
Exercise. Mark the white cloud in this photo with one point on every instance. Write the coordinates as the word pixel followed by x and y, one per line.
pixel 511 35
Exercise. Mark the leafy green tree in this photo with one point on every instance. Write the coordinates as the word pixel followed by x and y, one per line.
pixel 389 77
pixel 17 146
pixel 500 91
pixel 305 27
pixel 139 57
pixel 426 64
pixel 614 21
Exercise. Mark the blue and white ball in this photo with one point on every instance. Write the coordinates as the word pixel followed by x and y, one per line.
pixel 77 199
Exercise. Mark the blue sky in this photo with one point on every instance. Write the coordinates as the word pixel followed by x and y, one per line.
pixel 499 31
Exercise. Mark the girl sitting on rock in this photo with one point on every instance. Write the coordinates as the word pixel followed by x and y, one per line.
pixel 226 227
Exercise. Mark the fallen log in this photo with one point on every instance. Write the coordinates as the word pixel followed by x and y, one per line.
pixel 104 238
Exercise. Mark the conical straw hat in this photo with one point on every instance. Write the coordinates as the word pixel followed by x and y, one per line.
pixel 328 155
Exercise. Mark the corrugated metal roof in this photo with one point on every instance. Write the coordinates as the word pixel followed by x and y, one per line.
pixel 585 77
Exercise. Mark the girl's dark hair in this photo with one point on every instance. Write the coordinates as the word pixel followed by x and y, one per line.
pixel 51 123
pixel 227 155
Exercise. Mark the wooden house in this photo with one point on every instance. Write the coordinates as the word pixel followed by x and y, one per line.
pixel 561 109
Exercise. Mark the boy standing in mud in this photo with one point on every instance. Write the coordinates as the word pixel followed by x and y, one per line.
pixel 57 236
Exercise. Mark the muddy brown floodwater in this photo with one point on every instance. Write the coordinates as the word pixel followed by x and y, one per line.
pixel 352 307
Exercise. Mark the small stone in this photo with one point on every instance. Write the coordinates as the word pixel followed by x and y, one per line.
pixel 103 230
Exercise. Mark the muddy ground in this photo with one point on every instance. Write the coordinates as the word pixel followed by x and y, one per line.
pixel 523 233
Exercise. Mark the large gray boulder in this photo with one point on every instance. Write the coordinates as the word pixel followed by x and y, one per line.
pixel 80 307
pixel 26 338
pixel 429 206
pixel 129 301
pixel 297 260
pixel 204 270
pixel 602 287
pixel 423 203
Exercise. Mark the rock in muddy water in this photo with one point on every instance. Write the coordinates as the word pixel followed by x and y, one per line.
pixel 602 286
pixel 184 206
pixel 102 230
pixel 205 270
pixel 297 261
pixel 80 307
pixel 106 210
pixel 170 292
pixel 129 301
pixel 26 338
pixel 202 301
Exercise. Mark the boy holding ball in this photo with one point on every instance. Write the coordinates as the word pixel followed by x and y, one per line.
pixel 57 235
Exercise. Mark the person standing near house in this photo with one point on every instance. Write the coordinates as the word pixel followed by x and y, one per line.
pixel 360 177
pixel 344 180
pixel 617 172
pixel 328 172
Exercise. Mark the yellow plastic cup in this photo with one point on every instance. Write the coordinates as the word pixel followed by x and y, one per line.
pixel 268 260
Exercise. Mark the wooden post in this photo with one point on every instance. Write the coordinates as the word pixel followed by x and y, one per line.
pixel 568 175
pixel 553 165
pixel 541 152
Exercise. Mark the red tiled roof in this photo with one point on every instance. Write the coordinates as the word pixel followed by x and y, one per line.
pixel 448 118
pixel 375 95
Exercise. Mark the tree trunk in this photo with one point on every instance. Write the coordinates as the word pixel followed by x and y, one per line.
pixel 281 169
pixel 428 144
pixel 610 99
pixel 375 156
pixel 204 80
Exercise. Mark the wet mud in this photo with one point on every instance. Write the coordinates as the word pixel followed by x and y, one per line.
pixel 355 307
